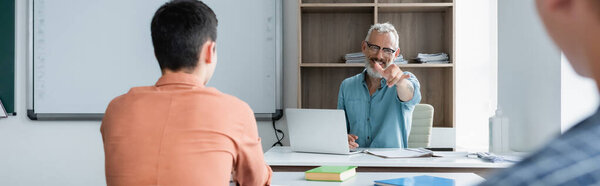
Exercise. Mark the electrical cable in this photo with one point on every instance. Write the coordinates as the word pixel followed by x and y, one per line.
pixel 277 131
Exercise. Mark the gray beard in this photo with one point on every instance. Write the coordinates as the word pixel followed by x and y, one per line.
pixel 371 72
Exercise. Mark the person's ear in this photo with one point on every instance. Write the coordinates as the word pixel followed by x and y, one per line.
pixel 210 51
pixel 363 46
pixel 397 52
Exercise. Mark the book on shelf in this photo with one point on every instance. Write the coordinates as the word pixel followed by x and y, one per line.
pixel 331 173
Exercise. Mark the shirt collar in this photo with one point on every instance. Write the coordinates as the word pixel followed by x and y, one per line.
pixel 180 78
pixel 363 75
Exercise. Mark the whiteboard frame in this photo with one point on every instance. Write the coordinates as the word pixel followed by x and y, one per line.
pixel 98 116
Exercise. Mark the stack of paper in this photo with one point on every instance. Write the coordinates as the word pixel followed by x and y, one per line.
pixel 359 57
pixel 439 58
pixel 402 153
pixel 400 60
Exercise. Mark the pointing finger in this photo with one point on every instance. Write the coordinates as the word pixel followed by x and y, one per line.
pixel 378 68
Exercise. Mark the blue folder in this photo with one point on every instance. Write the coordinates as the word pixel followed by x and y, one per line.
pixel 416 181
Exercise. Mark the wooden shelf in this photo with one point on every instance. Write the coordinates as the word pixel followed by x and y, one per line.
pixel 414 1
pixel 337 7
pixel 308 5
pixel 337 1
pixel 329 29
pixel 414 7
pixel 369 7
pixel 323 65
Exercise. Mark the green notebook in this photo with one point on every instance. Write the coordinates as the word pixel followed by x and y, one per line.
pixel 330 173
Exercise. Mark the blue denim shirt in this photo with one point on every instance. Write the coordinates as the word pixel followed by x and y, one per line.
pixel 381 120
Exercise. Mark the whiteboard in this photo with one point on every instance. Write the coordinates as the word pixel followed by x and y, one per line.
pixel 84 53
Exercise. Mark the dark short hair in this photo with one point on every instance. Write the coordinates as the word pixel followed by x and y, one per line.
pixel 179 29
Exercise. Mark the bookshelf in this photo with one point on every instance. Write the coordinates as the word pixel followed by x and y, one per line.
pixel 329 29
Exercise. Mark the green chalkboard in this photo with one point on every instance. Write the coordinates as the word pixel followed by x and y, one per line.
pixel 7 55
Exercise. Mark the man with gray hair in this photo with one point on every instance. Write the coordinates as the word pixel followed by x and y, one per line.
pixel 380 100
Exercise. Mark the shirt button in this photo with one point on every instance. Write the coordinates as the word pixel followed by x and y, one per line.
pixel 368 137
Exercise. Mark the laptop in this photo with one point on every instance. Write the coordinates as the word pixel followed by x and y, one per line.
pixel 318 130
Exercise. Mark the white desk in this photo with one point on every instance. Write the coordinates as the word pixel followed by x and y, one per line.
pixel 367 178
pixel 283 159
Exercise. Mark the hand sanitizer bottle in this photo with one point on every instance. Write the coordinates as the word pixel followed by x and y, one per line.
pixel 499 133
pixel 505 134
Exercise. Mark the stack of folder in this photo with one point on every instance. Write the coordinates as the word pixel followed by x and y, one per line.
pixel 439 58
pixel 359 57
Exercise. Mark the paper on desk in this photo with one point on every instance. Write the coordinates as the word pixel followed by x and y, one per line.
pixel 402 153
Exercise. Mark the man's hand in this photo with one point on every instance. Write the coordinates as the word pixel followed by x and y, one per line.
pixel 392 74
pixel 351 139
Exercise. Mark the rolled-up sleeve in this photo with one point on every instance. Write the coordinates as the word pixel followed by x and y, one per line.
pixel 416 99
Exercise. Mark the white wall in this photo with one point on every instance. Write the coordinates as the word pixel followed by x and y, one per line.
pixel 530 67
pixel 49 152
pixel 528 75
pixel 579 96
pixel 476 72
pixel 71 152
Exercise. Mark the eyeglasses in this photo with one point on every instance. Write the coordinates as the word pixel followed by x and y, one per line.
pixel 375 48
